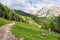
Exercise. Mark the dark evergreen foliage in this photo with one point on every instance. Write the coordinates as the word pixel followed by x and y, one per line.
pixel 10 14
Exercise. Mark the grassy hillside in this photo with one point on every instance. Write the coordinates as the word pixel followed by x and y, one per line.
pixel 4 21
pixel 27 25
pixel 31 32
pixel 23 13
pixel 50 22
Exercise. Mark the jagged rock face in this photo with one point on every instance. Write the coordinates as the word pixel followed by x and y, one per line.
pixel 49 11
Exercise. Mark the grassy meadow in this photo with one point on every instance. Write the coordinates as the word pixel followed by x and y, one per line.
pixel 31 32
pixel 4 21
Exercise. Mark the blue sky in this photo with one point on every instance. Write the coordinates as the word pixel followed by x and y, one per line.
pixel 28 5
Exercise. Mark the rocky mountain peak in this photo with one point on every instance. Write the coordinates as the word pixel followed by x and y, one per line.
pixel 48 11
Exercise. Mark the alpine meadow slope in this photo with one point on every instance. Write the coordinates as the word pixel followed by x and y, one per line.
pixel 31 27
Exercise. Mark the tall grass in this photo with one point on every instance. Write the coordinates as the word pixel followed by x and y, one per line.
pixel 31 32
pixel 4 21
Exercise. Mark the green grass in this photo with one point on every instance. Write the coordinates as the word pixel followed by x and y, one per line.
pixel 4 21
pixel 31 32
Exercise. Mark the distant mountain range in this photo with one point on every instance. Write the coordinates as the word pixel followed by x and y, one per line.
pixel 48 11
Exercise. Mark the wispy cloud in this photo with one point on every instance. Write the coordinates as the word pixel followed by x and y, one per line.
pixel 28 5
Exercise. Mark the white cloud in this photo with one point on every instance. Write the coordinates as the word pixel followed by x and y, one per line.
pixel 28 5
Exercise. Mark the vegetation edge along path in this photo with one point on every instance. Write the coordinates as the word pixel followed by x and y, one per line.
pixel 5 33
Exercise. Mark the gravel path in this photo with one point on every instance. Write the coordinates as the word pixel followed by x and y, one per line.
pixel 5 33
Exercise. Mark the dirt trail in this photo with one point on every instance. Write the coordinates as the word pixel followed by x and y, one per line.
pixel 5 33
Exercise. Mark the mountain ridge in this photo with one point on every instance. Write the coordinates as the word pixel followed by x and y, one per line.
pixel 48 11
